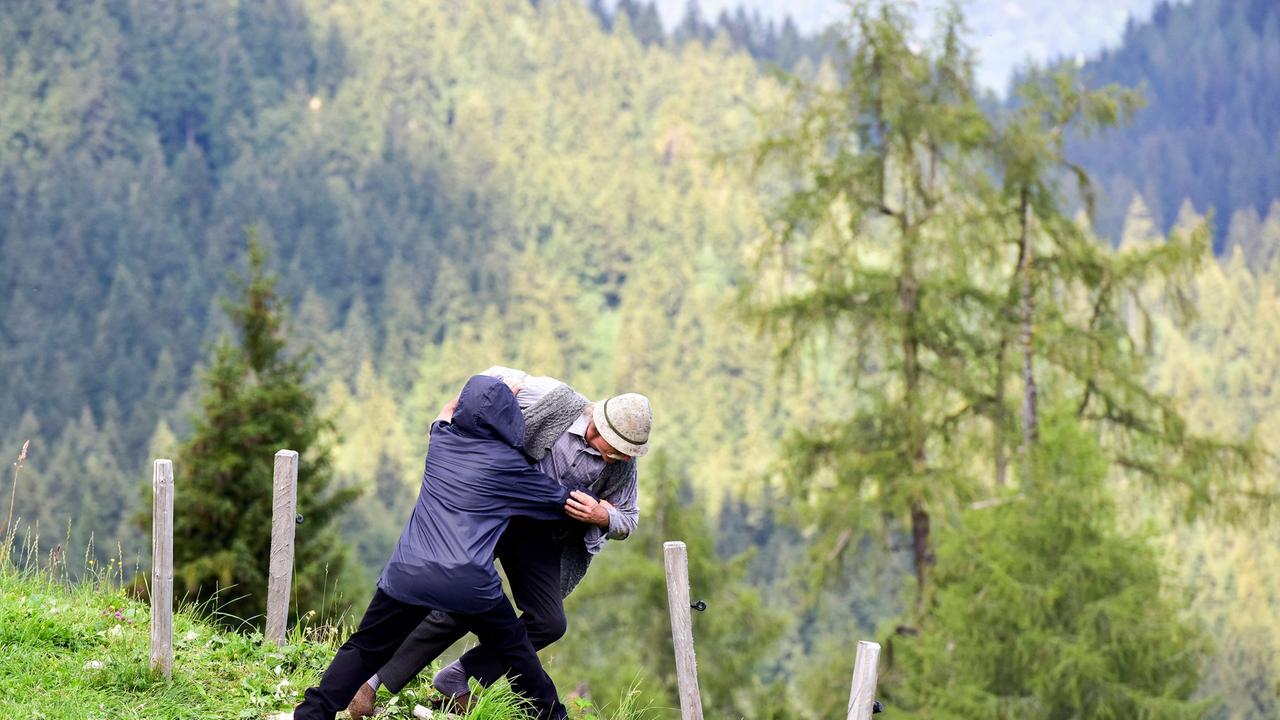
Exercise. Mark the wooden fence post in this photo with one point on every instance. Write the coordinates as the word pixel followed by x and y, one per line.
pixel 862 695
pixel 677 563
pixel 284 507
pixel 162 567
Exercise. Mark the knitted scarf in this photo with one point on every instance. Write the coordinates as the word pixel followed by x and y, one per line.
pixel 545 421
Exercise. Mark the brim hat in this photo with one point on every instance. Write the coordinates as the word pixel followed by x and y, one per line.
pixel 624 422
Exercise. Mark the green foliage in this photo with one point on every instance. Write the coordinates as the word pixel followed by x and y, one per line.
pixel 734 638
pixel 1092 347
pixel 928 256
pixel 914 243
pixel 499 702
pixel 1046 608
pixel 256 402
pixel 439 184
pixel 1218 371
pixel 869 253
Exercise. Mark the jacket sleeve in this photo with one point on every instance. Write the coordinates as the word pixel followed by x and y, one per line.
pixel 536 494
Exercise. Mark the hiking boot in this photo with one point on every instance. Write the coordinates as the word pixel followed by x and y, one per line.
pixel 451 680
pixel 362 704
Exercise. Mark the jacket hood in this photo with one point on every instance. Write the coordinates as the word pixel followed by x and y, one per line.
pixel 487 409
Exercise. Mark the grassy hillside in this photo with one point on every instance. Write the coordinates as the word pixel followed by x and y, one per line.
pixel 81 652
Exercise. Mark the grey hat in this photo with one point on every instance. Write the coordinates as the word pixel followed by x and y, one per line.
pixel 624 421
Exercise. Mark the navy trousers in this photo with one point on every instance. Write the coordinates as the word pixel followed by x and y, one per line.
pixel 530 554
pixel 383 628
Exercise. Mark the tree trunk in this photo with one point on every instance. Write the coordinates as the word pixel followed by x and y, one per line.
pixel 908 297
pixel 997 419
pixel 921 551
pixel 1030 420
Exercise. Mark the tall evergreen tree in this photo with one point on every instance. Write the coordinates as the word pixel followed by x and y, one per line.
pixel 255 403
pixel 871 253
pixel 897 253
pixel 1046 609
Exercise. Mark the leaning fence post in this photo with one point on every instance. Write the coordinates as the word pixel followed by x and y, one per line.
pixel 862 696
pixel 162 567
pixel 284 506
pixel 677 562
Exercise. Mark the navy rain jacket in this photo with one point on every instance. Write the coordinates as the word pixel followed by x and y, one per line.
pixel 475 481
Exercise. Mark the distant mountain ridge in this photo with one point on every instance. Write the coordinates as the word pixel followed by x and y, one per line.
pixel 1210 134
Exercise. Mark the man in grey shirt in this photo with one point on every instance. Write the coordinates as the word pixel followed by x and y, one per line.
pixel 588 448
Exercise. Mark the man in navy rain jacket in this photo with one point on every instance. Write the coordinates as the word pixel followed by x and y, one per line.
pixel 476 480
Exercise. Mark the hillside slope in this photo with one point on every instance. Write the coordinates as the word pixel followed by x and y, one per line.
pixel 81 652
pixel 1210 132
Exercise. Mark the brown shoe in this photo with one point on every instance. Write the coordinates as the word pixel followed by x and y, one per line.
pixel 362 704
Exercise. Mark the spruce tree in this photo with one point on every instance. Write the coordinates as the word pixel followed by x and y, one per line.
pixel 1044 608
pixel 255 402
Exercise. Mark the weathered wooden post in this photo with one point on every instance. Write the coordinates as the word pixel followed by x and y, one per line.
pixel 677 562
pixel 284 506
pixel 162 567
pixel 862 696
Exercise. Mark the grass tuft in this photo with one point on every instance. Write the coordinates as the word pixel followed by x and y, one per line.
pixel 629 706
pixel 498 702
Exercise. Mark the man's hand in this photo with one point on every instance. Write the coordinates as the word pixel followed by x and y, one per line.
pixel 581 506
pixel 446 412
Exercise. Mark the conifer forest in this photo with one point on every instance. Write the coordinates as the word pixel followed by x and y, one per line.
pixel 992 379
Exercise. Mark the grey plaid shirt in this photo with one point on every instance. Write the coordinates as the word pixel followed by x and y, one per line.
pixel 574 463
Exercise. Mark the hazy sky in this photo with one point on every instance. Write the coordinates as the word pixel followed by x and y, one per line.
pixel 1005 32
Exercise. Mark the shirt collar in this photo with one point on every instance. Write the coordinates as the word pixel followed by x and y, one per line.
pixel 579 430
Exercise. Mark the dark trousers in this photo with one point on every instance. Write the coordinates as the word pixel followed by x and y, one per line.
pixel 530 554
pixel 383 628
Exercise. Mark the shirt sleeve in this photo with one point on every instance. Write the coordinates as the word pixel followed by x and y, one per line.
pixel 624 516
pixel 532 387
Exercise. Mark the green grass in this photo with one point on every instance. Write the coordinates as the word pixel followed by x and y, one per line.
pixel 81 651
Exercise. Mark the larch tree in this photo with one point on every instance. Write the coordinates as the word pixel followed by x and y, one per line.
pixel 913 243
pixel 868 260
